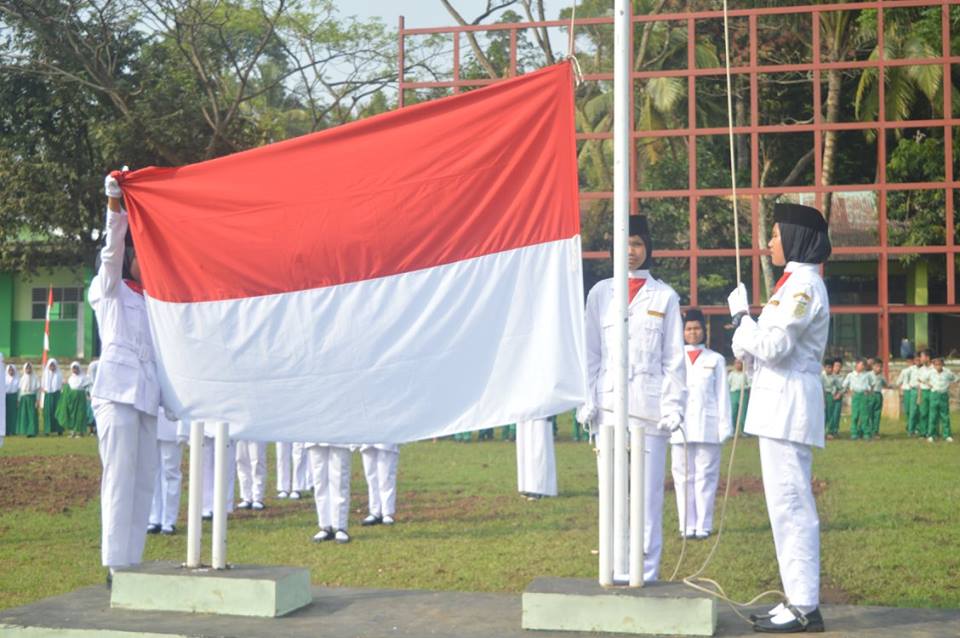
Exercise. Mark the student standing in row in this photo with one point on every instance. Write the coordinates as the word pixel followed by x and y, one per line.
pixel 252 474
pixel 922 381
pixel 786 347
pixel 536 460
pixel 858 383
pixel 293 466
pixel 50 385
pixel 906 381
pixel 72 407
pixel 877 383
pixel 165 508
pixel 12 388
pixel 707 424
pixel 940 382
pixel 739 383
pixel 380 462
pixel 27 419
pixel 833 394
pixel 657 373
pixel 330 465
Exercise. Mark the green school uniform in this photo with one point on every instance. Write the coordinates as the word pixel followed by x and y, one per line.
pixel 27 421
pixel 940 403
pixel 737 381
pixel 909 392
pixel 833 401
pixel 51 425
pixel 859 384
pixel 72 410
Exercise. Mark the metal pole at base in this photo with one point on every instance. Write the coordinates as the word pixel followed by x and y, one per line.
pixel 220 479
pixel 621 213
pixel 195 502
pixel 605 489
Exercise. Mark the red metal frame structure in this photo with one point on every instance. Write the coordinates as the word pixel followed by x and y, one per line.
pixel 815 67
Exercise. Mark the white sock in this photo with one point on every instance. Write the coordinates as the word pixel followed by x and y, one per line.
pixel 785 615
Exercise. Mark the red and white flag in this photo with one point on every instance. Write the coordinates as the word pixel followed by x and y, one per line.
pixel 46 330
pixel 411 275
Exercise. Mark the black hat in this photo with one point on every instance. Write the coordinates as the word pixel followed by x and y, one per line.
pixel 800 215
pixel 694 314
pixel 639 226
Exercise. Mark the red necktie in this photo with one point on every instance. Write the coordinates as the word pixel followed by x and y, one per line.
pixel 781 281
pixel 635 285
pixel 693 354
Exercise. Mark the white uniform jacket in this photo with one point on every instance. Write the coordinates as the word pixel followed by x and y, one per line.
pixel 707 414
pixel 785 346
pixel 128 368
pixel 656 373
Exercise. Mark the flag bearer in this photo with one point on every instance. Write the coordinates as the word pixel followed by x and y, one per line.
pixel 27 421
pixel 536 462
pixel 12 388
pixel 380 461
pixel 940 381
pixel 252 474
pixel 878 383
pixel 656 375
pixel 126 394
pixel 171 436
pixel 906 381
pixel 922 381
pixel 707 424
pixel 785 346
pixel 330 465
pixel 859 383
pixel 51 383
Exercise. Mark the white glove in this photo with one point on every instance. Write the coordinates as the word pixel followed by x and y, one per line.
pixel 670 423
pixel 112 187
pixel 167 412
pixel 738 300
pixel 587 414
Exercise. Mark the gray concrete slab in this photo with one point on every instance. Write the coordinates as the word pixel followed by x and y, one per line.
pixel 373 613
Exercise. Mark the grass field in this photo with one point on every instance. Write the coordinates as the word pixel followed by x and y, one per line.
pixel 889 519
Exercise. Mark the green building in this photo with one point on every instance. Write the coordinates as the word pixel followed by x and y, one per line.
pixel 23 307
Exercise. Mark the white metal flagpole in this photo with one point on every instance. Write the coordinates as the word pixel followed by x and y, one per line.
pixel 621 212
pixel 220 480
pixel 195 503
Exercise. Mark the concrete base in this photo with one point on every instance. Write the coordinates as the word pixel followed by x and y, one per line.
pixel 243 590
pixel 580 604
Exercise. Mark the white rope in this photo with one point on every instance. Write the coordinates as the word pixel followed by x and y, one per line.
pixel 571 52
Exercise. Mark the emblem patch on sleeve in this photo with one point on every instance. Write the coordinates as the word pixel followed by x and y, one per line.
pixel 800 302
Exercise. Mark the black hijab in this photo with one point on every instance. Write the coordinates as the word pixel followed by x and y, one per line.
pixel 803 233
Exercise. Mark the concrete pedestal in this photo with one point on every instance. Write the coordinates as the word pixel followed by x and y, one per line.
pixel 575 604
pixel 243 590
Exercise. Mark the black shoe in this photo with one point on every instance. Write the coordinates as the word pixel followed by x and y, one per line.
pixel 207 517
pixel 109 579
pixel 810 623
pixel 371 520
pixel 153 529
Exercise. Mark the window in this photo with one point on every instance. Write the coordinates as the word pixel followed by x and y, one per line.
pixel 66 303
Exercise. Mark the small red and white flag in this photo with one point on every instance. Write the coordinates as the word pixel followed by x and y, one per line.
pixel 411 275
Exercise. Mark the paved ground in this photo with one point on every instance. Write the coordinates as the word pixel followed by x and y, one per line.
pixel 371 613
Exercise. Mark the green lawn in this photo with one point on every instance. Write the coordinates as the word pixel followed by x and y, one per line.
pixel 889 521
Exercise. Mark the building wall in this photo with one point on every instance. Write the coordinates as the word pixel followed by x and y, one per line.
pixel 22 336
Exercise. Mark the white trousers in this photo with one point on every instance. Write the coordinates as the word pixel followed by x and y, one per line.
pixel 252 470
pixel 698 480
pixel 166 490
pixel 331 484
pixel 787 470
pixel 209 473
pixel 536 462
pixel 127 440
pixel 380 469
pixel 292 468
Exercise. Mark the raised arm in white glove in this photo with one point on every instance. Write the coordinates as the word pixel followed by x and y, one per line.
pixel 112 187
pixel 587 414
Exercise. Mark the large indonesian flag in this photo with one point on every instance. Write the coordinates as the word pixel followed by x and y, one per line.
pixel 411 275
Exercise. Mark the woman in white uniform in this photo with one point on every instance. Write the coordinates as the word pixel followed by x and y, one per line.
pixel 380 461
pixel 706 426
pixel 171 436
pixel 125 394
pixel 536 460
pixel 656 377
pixel 785 347
pixel 252 474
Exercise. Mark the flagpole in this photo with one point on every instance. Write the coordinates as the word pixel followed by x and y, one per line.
pixel 621 212
pixel 46 350
pixel 195 501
